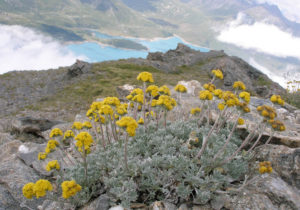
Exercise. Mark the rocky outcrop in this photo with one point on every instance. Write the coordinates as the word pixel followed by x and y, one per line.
pixel 78 68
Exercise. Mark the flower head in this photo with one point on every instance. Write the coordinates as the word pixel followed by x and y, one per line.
pixel 267 111
pixel 221 106
pixel 42 155
pixel 265 167
pixel 145 77
pixel 106 110
pixel 68 134
pixel 239 85
pixel 277 99
pixel 139 98
pixel 129 123
pixel 41 187
pixel 245 96
pixel 277 125
pixel 52 165
pixel 113 101
pixel 83 142
pixel 164 90
pixel 218 93
pixel 153 90
pixel 180 88
pixel 69 188
pixel 55 132
pixel 141 121
pixel 122 109
pixel 195 110
pixel 218 73
pixel 166 102
pixel 77 125
pixel 230 98
pixel 28 190
pixel 210 87
pixel 205 95
pixel 241 121
pixel 51 145
pixel 87 125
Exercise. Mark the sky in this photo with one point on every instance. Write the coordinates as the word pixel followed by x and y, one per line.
pixel 289 8
pixel 32 51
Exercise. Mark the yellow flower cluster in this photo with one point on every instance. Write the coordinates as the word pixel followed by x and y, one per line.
pixel 145 77
pixel 77 125
pixel 141 121
pixel 221 106
pixel 106 110
pixel 218 73
pixel 205 95
pixel 153 90
pixel 129 123
pixel 267 111
pixel 245 95
pixel 239 85
pixel 37 189
pixel 230 99
pixel 69 188
pixel 218 93
pixel 87 125
pixel 42 155
pixel 195 110
pixel 51 145
pixel 277 125
pixel 152 114
pixel 122 109
pixel 113 101
pixel 277 99
pixel 180 88
pixel 265 167
pixel 84 141
pixel 164 90
pixel 52 165
pixel 55 132
pixel 241 121
pixel 244 106
pixel 138 98
pixel 68 134
pixel 166 102
pixel 209 86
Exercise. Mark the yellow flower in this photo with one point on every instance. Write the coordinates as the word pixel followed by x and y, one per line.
pixel 77 125
pixel 218 93
pixel 106 110
pixel 122 109
pixel 83 141
pixel 51 145
pixel 230 98
pixel 267 111
pixel 69 188
pixel 195 110
pixel 138 98
pixel 114 101
pixel 241 121
pixel 164 90
pixel 87 125
pixel 137 91
pixel 129 97
pixel 145 77
pixel 246 96
pixel 129 123
pixel 221 106
pixel 28 191
pixel 52 165
pixel 180 88
pixel 41 186
pixel 205 95
pixel 277 99
pixel 153 90
pixel 239 85
pixel 218 73
pixel 141 121
pixel 210 87
pixel 166 102
pixel 265 167
pixel 55 132
pixel 68 134
pixel 42 156
pixel 116 116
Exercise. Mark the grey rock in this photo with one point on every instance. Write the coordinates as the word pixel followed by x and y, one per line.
pixel 124 91
pixel 218 202
pixel 162 205
pixel 78 68
pixel 53 205
pixel 32 125
pixel 285 161
pixel 102 202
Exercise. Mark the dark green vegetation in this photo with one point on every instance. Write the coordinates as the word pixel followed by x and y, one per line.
pixel 293 99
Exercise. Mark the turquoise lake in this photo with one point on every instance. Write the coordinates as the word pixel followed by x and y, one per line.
pixel 95 52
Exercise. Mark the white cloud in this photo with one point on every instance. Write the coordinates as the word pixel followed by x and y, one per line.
pixel 289 8
pixel 262 37
pixel 24 49
pixel 273 76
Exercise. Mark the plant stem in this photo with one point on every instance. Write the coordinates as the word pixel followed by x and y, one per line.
pixel 125 152
pixel 228 138
pixel 257 140
pixel 270 138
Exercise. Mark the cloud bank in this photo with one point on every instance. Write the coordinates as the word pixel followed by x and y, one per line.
pixel 24 49
pixel 289 8
pixel 262 37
